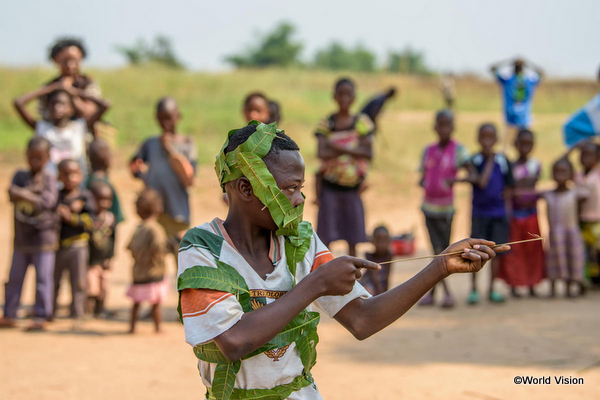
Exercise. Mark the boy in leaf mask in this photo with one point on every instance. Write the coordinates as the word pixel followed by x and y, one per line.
pixel 251 287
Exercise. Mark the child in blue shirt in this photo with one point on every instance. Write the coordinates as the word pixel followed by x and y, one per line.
pixel 491 179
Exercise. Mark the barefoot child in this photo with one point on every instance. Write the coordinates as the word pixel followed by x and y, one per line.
pixel 35 194
pixel 247 283
pixel 167 164
pixel 491 179
pixel 345 151
pixel 524 265
pixel 76 208
pixel 377 282
pixel 66 133
pixel 148 247
pixel 439 167
pixel 565 253
pixel 102 246
pixel 589 214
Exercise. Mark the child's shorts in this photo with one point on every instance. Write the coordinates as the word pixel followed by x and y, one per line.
pixel 490 228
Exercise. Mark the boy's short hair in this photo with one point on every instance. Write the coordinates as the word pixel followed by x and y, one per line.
pixel 445 113
pixel 150 201
pixel 253 96
pixel 487 125
pixel 97 151
pixel 39 143
pixel 63 43
pixel 565 161
pixel 344 81
pixel 281 143
pixel 523 132
pixel 63 164
pixel 164 102
pixel 381 228
pixel 97 186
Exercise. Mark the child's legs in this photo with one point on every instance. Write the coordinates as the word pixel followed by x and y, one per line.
pixel 156 316
pixel 440 229
pixel 44 284
pixel 14 286
pixel 479 230
pixel 134 316
pixel 77 265
pixel 497 231
pixel 575 256
pixel 60 265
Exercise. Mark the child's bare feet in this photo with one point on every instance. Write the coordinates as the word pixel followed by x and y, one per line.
pixel 37 325
pixel 7 323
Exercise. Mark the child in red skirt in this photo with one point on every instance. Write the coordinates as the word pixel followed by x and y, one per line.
pixel 524 265
pixel 148 246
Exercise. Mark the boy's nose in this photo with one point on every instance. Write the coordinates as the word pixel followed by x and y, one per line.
pixel 297 199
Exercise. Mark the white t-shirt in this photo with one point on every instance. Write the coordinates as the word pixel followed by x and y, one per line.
pixel 67 142
pixel 208 313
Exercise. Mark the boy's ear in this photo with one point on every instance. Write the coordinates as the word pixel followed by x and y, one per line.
pixel 244 189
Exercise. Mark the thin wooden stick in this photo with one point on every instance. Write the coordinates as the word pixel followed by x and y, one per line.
pixel 536 238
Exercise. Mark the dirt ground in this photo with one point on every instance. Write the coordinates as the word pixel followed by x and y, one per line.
pixel 464 353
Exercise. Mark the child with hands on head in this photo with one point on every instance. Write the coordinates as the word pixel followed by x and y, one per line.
pixel 63 129
pixel 35 194
pixel 268 260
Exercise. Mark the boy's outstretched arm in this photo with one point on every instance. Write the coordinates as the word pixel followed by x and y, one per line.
pixel 256 328
pixel 365 317
pixel 21 102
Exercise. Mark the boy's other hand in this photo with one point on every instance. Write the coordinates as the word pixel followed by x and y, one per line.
pixel 338 276
pixel 475 253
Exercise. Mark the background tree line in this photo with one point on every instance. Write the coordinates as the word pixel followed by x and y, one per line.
pixel 278 48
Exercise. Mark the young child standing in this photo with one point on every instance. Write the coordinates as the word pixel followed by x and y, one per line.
pixel 35 194
pixel 377 282
pixel 167 164
pixel 148 247
pixel 492 179
pixel 257 108
pixel 247 283
pixel 64 131
pixel 76 208
pixel 524 265
pixel 440 164
pixel 565 252
pixel 345 151
pixel 102 246
pixel 589 214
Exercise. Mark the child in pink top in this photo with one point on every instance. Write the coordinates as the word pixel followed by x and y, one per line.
pixel 589 213
pixel 440 165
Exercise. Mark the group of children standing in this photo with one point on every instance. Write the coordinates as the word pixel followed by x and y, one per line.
pixel 504 208
pixel 67 211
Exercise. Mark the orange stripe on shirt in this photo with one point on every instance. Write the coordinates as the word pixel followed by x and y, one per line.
pixel 321 258
pixel 196 302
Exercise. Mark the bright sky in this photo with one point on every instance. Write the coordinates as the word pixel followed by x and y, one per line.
pixel 455 35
